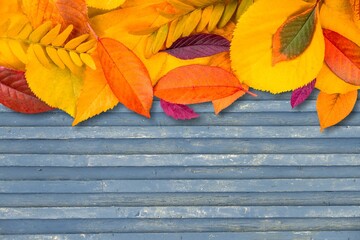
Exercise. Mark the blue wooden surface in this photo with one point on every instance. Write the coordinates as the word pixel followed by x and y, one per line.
pixel 258 171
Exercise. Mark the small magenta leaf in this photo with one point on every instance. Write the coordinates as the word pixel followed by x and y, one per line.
pixel 200 45
pixel 178 111
pixel 299 95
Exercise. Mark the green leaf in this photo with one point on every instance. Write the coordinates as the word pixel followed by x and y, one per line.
pixel 294 35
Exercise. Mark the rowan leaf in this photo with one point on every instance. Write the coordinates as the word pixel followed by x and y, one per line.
pixel 221 104
pixel 343 57
pixel 16 94
pixel 299 95
pixel 333 108
pixel 200 45
pixel 59 88
pixel 294 35
pixel 96 96
pixel 105 4
pixel 196 84
pixel 251 52
pixel 126 75
pixel 178 111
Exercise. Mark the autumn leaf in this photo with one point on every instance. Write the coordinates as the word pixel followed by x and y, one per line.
pixel 16 94
pixel 355 4
pixel 105 4
pixel 62 12
pixel 343 57
pixel 252 55
pixel 221 104
pixel 330 83
pixel 335 15
pixel 96 96
pixel 127 76
pixel 200 45
pixel 299 95
pixel 294 35
pixel 333 108
pixel 57 87
pixel 178 111
pixel 196 84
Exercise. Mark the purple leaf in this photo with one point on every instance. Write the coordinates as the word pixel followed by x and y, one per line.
pixel 196 46
pixel 178 111
pixel 299 95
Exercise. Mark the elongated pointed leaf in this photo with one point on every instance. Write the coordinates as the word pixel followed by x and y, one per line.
pixel 196 84
pixel 196 46
pixel 16 94
pixel 178 111
pixel 126 75
pixel 299 95
pixel 343 57
pixel 333 108
pixel 223 103
pixel 294 35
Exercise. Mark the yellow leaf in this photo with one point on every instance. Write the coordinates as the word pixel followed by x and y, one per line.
pixel 336 15
pixel 57 87
pixel 333 108
pixel 105 4
pixel 158 65
pixel 251 51
pixel 96 96
pixel 330 83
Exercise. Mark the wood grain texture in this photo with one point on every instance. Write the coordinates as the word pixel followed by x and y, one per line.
pixel 258 171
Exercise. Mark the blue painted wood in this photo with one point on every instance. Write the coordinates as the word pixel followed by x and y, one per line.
pixel 259 171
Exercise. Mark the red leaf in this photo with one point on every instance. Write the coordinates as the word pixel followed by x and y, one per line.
pixel 16 94
pixel 343 57
pixel 196 46
pixel 299 95
pixel 178 111
pixel 196 84
pixel 127 76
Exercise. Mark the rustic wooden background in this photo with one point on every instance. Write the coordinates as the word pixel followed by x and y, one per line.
pixel 260 170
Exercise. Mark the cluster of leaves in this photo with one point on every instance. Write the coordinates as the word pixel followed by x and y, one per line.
pixel 85 56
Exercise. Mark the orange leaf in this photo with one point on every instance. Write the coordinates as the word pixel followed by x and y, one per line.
pixel 333 108
pixel 343 57
pixel 62 12
pixel 126 75
pixel 96 96
pixel 223 103
pixel 196 84
pixel 355 4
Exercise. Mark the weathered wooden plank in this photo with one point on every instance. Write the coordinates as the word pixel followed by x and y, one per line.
pixel 239 106
pixel 176 146
pixel 270 105
pixel 160 119
pixel 150 186
pixel 253 212
pixel 154 173
pixel 171 160
pixel 178 132
pixel 340 235
pixel 73 226
pixel 339 198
